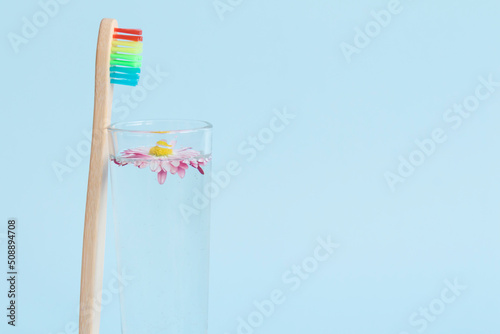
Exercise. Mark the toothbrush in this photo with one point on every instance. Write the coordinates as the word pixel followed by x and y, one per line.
pixel 118 61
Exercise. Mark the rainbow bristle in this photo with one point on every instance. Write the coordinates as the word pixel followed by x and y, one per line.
pixel 125 59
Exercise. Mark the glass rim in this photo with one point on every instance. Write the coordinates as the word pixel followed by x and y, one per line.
pixel 121 126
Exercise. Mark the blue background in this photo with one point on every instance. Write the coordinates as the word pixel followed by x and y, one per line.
pixel 324 174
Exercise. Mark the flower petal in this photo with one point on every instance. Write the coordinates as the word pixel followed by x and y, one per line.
pixel 154 165
pixel 137 153
pixel 173 169
pixel 181 172
pixel 118 162
pixel 165 165
pixel 184 165
pixel 162 175
pixel 140 163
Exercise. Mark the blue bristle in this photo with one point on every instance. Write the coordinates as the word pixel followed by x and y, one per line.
pixel 125 69
pixel 130 76
pixel 125 82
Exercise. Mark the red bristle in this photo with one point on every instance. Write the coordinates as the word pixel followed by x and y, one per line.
pixel 129 31
pixel 128 37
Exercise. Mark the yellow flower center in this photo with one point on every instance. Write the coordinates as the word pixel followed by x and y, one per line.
pixel 158 151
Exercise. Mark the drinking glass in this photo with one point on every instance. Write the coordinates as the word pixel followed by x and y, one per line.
pixel 159 171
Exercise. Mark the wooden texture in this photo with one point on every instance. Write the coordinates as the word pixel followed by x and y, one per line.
pixel 94 233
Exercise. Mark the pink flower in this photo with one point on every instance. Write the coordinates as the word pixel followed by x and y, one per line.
pixel 163 159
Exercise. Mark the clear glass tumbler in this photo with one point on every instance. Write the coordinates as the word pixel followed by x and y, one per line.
pixel 159 173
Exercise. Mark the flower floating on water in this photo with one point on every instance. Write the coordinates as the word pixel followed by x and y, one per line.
pixel 163 159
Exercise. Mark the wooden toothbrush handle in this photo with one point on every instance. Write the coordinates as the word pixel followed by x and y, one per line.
pixel 94 233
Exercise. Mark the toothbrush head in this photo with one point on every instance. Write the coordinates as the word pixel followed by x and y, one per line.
pixel 125 61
